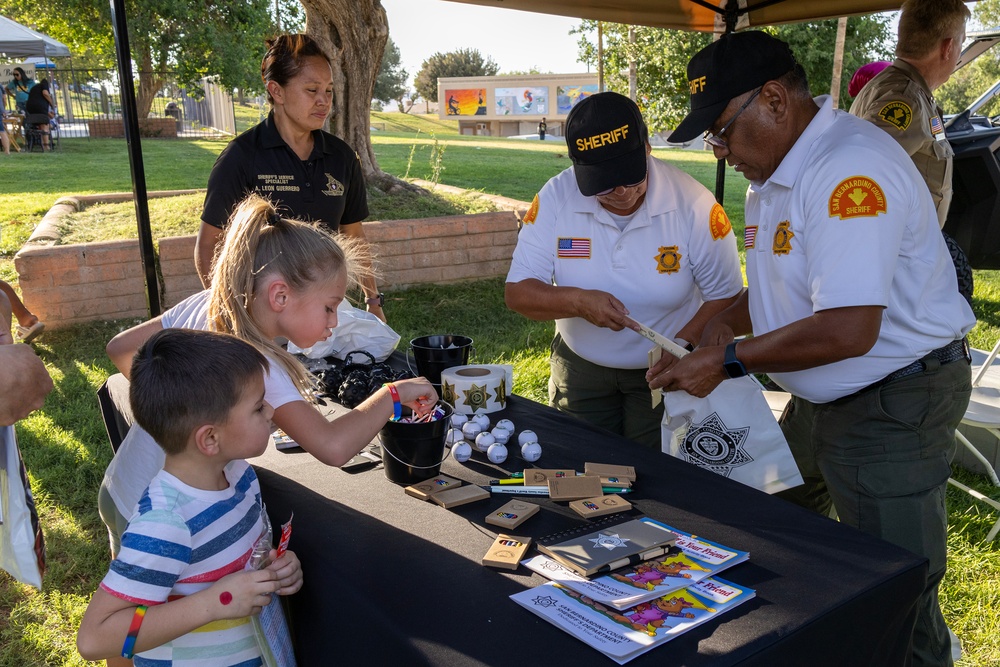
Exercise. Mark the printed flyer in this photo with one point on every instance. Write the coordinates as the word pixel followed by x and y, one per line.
pixel 690 560
pixel 624 634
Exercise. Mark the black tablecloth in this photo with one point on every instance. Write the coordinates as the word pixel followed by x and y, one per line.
pixel 390 579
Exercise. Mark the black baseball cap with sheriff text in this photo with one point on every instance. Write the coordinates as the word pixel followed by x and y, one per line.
pixel 606 137
pixel 728 67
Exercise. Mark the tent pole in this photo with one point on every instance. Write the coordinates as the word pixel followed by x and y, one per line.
pixel 130 115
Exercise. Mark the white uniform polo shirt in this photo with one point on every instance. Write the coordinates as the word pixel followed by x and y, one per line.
pixel 846 220
pixel 677 252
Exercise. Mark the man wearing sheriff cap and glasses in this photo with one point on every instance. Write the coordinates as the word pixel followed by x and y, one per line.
pixel 619 235
pixel 852 301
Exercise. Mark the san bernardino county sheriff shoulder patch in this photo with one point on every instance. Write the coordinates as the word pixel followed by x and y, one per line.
pixel 897 114
pixel 857 197
pixel 529 217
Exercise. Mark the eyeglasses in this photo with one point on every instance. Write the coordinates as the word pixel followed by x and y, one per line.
pixel 716 138
pixel 610 190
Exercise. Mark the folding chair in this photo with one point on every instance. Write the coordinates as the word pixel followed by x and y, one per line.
pixel 983 412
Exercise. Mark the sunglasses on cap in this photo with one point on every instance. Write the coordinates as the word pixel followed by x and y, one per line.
pixel 716 138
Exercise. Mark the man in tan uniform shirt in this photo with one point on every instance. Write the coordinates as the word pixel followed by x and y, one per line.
pixel 900 99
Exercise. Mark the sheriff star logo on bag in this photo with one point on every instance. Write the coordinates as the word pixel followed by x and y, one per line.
pixel 897 114
pixel 529 217
pixel 711 444
pixel 782 239
pixel 857 197
pixel 668 260
pixel 718 222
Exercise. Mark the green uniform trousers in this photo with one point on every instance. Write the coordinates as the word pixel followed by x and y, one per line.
pixel 615 399
pixel 882 457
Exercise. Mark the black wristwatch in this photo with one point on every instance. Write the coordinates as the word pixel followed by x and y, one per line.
pixel 377 300
pixel 734 367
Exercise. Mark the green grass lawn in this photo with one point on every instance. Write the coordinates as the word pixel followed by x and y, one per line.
pixel 66 448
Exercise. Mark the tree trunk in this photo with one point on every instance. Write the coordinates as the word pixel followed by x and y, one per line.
pixel 632 78
pixel 838 61
pixel 353 33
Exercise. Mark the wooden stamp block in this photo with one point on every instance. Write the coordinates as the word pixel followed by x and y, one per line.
pixel 427 488
pixel 513 514
pixel 599 506
pixel 610 470
pixel 506 551
pixel 574 488
pixel 460 496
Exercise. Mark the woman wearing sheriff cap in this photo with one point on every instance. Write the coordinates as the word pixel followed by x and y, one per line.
pixel 617 239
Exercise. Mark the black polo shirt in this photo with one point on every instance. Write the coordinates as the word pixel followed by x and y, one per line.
pixel 329 187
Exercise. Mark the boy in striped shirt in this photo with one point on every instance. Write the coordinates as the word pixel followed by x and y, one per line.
pixel 201 396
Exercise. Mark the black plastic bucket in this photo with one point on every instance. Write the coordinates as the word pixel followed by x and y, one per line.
pixel 414 452
pixel 433 354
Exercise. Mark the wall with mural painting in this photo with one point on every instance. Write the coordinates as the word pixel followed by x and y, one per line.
pixel 506 106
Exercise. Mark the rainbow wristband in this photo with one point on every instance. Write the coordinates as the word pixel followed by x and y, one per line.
pixel 128 648
pixel 397 407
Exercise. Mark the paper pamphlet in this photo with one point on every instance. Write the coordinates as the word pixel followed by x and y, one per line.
pixel 689 561
pixel 624 634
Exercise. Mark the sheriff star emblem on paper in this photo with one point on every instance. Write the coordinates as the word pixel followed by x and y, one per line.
pixel 610 542
pixel 712 445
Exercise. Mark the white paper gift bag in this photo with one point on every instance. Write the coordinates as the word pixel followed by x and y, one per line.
pixel 732 432
pixel 22 547
pixel 356 330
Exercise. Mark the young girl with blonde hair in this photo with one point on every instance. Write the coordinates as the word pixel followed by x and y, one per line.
pixel 273 278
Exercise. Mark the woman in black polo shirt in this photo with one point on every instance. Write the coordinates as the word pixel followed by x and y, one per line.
pixel 308 173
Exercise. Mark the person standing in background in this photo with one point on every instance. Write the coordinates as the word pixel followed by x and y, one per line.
pixel 307 173
pixel 900 98
pixel 19 87
pixel 542 127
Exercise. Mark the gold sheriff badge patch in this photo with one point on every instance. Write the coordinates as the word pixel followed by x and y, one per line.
pixel 782 239
pixel 668 260
pixel 857 197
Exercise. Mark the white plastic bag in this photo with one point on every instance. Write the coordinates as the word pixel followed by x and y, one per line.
pixel 22 547
pixel 356 330
pixel 732 432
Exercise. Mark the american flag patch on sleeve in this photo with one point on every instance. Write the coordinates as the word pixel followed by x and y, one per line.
pixel 573 247
pixel 749 236
pixel 936 126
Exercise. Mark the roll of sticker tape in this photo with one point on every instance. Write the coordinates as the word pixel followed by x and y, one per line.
pixel 476 389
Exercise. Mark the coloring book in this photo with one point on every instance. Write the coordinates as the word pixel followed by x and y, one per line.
pixel 624 634
pixel 689 561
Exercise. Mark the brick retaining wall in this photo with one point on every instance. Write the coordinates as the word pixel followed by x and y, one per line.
pixel 102 281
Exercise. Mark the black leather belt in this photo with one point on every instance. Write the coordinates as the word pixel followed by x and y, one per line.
pixel 953 351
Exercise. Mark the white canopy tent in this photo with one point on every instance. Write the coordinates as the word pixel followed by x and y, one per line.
pixel 18 41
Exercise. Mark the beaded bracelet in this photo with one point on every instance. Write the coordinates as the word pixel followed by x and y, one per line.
pixel 128 648
pixel 397 408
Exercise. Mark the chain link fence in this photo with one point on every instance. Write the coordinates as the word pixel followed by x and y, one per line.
pixel 88 104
